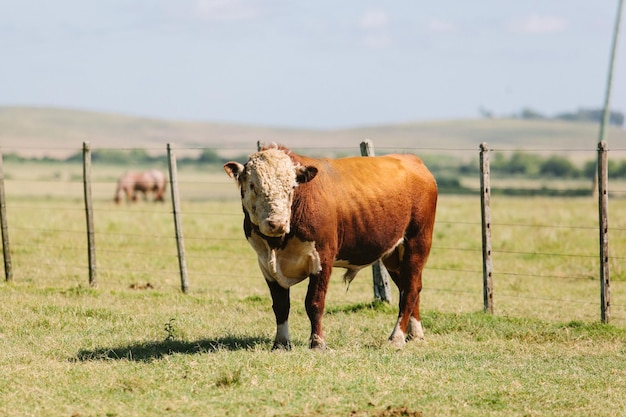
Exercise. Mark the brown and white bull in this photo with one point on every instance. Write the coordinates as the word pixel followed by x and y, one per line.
pixel 303 216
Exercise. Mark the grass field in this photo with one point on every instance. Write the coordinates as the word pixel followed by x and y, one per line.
pixel 137 346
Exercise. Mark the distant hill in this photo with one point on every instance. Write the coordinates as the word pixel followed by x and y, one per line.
pixel 60 132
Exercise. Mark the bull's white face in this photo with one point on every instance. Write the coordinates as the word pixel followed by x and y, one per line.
pixel 267 183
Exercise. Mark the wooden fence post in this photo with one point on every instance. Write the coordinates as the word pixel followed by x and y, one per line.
pixel 485 205
pixel 91 240
pixel 382 291
pixel 6 248
pixel 603 212
pixel 178 227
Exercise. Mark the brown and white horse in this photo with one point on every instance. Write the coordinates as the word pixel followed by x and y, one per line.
pixel 133 182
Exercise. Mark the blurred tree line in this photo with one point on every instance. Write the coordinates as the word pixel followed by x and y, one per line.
pixel 616 118
pixel 142 157
pixel 528 165
pixel 130 158
pixel 517 163
pixel 449 170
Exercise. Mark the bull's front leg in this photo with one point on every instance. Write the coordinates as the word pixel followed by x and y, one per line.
pixel 314 303
pixel 280 305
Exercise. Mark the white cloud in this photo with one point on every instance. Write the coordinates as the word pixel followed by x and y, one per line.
pixel 375 25
pixel 538 24
pixel 225 10
pixel 374 19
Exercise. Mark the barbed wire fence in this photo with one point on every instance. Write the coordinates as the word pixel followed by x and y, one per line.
pixel 142 251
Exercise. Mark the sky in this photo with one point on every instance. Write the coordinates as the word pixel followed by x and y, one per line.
pixel 310 64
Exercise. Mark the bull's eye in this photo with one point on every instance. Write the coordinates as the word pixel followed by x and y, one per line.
pixel 252 187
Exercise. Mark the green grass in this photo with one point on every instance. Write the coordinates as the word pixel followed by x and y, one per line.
pixel 109 353
pixel 129 349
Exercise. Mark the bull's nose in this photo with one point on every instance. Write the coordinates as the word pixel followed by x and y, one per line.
pixel 276 228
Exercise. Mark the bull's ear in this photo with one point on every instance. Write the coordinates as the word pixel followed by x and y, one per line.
pixel 305 174
pixel 233 169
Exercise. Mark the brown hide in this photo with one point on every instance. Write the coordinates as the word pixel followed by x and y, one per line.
pixel 349 212
pixel 358 208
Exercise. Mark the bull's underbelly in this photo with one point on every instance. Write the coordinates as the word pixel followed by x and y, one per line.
pixel 298 260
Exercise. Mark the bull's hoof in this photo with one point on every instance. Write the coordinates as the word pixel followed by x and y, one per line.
pixel 317 343
pixel 415 330
pixel 397 341
pixel 282 345
pixel 410 337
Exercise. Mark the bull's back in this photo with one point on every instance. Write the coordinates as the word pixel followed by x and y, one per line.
pixel 362 181
pixel 369 202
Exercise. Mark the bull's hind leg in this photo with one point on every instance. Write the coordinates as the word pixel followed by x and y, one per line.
pixel 408 278
pixel 408 325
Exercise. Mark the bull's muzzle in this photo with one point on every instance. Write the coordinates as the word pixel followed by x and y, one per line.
pixel 274 227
